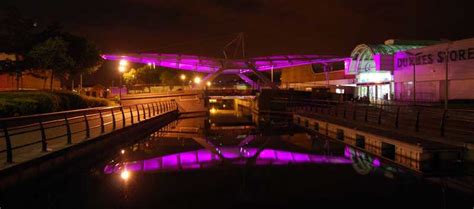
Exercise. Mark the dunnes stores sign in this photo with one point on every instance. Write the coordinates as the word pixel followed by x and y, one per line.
pixel 435 57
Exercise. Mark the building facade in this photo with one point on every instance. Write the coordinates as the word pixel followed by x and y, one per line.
pixel 373 68
pixel 24 81
pixel 421 74
pixel 307 77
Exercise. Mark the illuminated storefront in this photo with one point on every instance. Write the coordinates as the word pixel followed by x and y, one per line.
pixel 375 85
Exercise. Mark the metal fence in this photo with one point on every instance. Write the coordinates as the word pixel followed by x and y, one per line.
pixel 450 124
pixel 40 133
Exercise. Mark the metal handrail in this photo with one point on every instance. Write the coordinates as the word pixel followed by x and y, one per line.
pixel 430 121
pixel 91 118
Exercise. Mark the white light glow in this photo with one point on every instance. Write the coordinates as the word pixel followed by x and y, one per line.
pixel 125 175
pixel 197 80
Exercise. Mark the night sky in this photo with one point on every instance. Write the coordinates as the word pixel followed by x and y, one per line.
pixel 332 27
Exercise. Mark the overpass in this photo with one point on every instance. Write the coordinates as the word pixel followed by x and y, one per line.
pixel 214 67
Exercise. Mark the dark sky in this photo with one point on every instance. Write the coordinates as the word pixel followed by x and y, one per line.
pixel 203 27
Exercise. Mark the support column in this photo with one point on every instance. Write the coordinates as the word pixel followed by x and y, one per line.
pixel 249 81
pixel 261 76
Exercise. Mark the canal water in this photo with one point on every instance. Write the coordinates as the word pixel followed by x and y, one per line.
pixel 236 160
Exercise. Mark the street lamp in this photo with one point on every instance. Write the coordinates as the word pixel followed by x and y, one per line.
pixel 414 73
pixel 183 79
pixel 208 84
pixel 122 68
pixel 197 80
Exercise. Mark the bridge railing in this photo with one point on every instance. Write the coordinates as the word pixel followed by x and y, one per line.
pixel 21 136
pixel 450 124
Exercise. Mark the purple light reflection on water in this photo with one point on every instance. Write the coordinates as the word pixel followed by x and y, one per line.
pixel 204 158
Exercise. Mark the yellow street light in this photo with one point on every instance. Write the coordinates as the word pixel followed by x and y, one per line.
pixel 197 80
pixel 208 83
pixel 122 68
pixel 125 174
pixel 183 77
pixel 123 63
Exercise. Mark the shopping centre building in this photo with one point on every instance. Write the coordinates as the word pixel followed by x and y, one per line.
pixel 422 73
pixel 398 70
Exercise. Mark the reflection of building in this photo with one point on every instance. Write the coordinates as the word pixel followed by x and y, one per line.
pixel 373 67
pixel 427 66
pixel 25 81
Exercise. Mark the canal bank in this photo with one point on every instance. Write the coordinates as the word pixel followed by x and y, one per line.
pixel 193 163
pixel 34 166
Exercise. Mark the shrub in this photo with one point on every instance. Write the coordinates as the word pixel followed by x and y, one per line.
pixel 17 103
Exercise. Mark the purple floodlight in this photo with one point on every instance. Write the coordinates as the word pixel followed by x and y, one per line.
pixel 209 64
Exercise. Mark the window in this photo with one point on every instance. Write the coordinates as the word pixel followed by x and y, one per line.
pixel 340 134
pixel 388 150
pixel 316 126
pixel 360 141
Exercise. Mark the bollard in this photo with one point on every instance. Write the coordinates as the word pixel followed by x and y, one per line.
pixel 8 144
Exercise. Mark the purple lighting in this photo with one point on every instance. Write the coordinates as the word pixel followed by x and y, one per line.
pixel 209 64
pixel 236 155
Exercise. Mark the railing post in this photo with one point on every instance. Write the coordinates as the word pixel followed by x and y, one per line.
pixel 68 129
pixel 154 108
pixel 443 122
pixel 344 113
pixel 149 110
pixel 88 131
pixel 354 112
pixel 113 119
pixel 44 145
pixel 102 128
pixel 366 115
pixel 8 143
pixel 138 113
pixel 397 117
pixel 131 113
pixel 144 113
pixel 380 117
pixel 123 117
pixel 417 122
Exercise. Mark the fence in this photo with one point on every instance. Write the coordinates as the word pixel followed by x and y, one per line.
pixel 43 132
pixel 450 124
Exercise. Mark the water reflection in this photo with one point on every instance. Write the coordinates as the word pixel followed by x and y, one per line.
pixel 234 155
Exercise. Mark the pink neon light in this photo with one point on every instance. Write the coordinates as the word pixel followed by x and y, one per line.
pixel 209 64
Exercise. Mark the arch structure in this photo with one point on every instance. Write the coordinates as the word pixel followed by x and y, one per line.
pixel 362 57
pixel 216 66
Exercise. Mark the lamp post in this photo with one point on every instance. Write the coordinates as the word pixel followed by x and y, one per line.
pixel 446 84
pixel 122 68
pixel 197 81
pixel 183 79
pixel 414 73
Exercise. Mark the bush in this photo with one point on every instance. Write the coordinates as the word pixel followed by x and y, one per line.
pixel 17 103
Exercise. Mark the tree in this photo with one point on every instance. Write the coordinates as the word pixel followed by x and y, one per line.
pixel 52 55
pixel 16 37
pixel 130 77
pixel 86 56
pixel 169 78
pixel 148 75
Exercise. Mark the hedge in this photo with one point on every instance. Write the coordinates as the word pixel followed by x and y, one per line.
pixel 18 103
